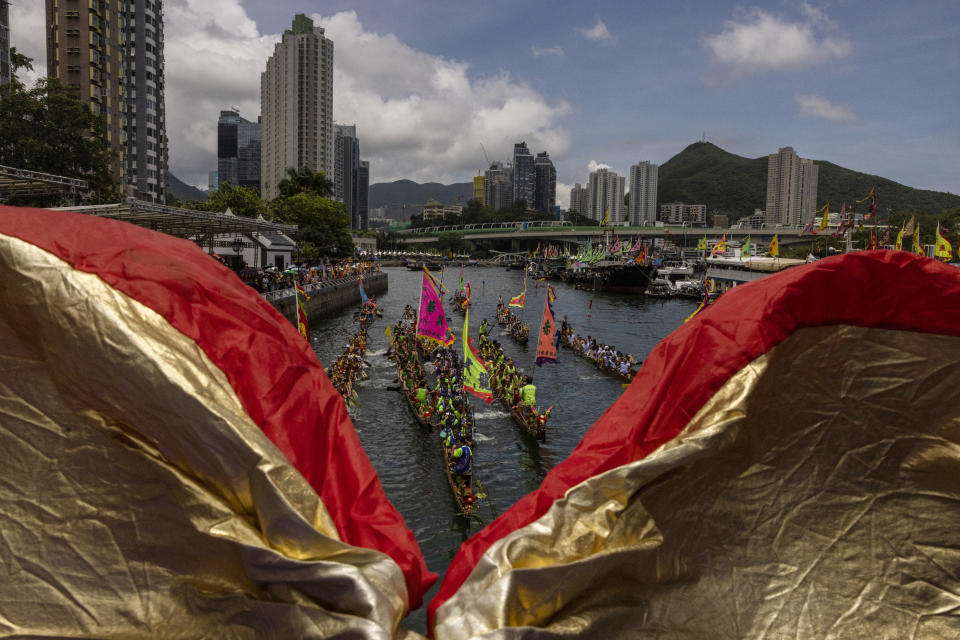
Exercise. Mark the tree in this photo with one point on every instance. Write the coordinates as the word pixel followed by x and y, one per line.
pixel 48 129
pixel 323 224
pixel 242 201
pixel 305 180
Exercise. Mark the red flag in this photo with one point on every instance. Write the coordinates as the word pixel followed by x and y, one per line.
pixel 547 342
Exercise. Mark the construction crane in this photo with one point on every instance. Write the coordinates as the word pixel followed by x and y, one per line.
pixel 485 157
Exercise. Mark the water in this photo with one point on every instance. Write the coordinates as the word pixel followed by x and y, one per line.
pixel 507 462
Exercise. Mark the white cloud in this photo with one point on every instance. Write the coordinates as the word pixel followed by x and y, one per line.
pixel 598 32
pixel 423 117
pixel 763 42
pixel 563 195
pixel 539 52
pixel 27 19
pixel 820 107
pixel 593 165
pixel 418 116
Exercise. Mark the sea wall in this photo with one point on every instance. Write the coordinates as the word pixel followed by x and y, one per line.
pixel 327 297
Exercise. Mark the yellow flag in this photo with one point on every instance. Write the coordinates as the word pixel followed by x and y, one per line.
pixel 826 216
pixel 606 217
pixel 900 238
pixel 944 249
pixel 702 244
pixel 774 247
pixel 917 247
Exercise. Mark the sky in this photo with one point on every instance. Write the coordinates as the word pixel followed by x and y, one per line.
pixel 873 86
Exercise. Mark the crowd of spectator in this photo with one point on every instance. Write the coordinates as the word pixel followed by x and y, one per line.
pixel 273 279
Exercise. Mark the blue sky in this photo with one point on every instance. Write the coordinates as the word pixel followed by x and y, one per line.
pixel 872 86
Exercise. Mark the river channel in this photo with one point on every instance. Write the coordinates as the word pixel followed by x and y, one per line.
pixel 507 463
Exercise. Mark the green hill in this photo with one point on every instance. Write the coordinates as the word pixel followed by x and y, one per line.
pixel 703 173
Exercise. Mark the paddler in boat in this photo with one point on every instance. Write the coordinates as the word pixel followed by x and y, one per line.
pixel 483 327
pixel 528 394
pixel 461 459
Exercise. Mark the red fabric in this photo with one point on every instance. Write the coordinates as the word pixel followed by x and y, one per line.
pixel 879 289
pixel 273 370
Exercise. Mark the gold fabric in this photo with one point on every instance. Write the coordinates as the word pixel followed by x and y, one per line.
pixel 137 499
pixel 816 495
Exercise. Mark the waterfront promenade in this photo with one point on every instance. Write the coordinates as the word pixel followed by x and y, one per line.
pixel 327 297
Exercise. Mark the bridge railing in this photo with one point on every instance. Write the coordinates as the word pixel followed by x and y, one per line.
pixel 490 226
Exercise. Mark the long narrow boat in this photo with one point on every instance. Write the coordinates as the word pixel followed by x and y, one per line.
pixel 427 421
pixel 595 362
pixel 504 322
pixel 463 494
pixel 538 429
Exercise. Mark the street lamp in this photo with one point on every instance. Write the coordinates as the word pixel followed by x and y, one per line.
pixel 237 248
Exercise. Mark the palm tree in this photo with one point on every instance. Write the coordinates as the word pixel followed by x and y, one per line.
pixel 305 180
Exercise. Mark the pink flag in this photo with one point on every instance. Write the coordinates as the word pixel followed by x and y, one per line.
pixel 432 321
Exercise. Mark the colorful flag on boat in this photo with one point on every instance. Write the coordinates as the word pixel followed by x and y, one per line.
pixel 302 298
pixel 899 244
pixel 636 245
pixel 872 243
pixel 547 341
pixel 431 321
pixel 606 217
pixel 363 294
pixel 917 247
pixel 825 220
pixel 551 294
pixel 809 230
pixel 774 246
pixel 702 245
pixel 747 250
pixel 720 247
pixel 517 301
pixel 908 230
pixel 944 249
pixel 437 284
pixel 476 380
pixel 467 289
pixel 616 246
pixel 872 196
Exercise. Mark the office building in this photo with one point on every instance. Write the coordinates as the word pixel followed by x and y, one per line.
pixel 346 164
pixel 545 188
pixel 296 103
pixel 213 181
pixel 86 51
pixel 478 190
pixel 498 186
pixel 606 194
pixel 524 175
pixel 238 151
pixel 4 45
pixel 643 194
pixel 791 188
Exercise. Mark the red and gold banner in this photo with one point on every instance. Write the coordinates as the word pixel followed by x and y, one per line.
pixel 175 460
pixel 748 484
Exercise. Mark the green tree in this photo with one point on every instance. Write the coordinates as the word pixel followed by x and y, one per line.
pixel 305 180
pixel 47 129
pixel 242 201
pixel 323 224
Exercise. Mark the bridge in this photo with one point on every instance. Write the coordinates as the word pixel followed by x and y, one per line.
pixel 564 232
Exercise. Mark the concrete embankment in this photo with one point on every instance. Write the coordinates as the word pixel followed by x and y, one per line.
pixel 327 297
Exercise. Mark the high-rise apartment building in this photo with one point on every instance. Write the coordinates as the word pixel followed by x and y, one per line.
pixel 545 186
pixel 296 103
pixel 498 186
pixel 524 175
pixel 643 194
pixel 580 199
pixel 791 188
pixel 238 151
pixel 363 194
pixel 346 165
pixel 606 194
pixel 111 53
pixel 679 213
pixel 4 45
pixel 478 192
pixel 87 51
pixel 147 153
